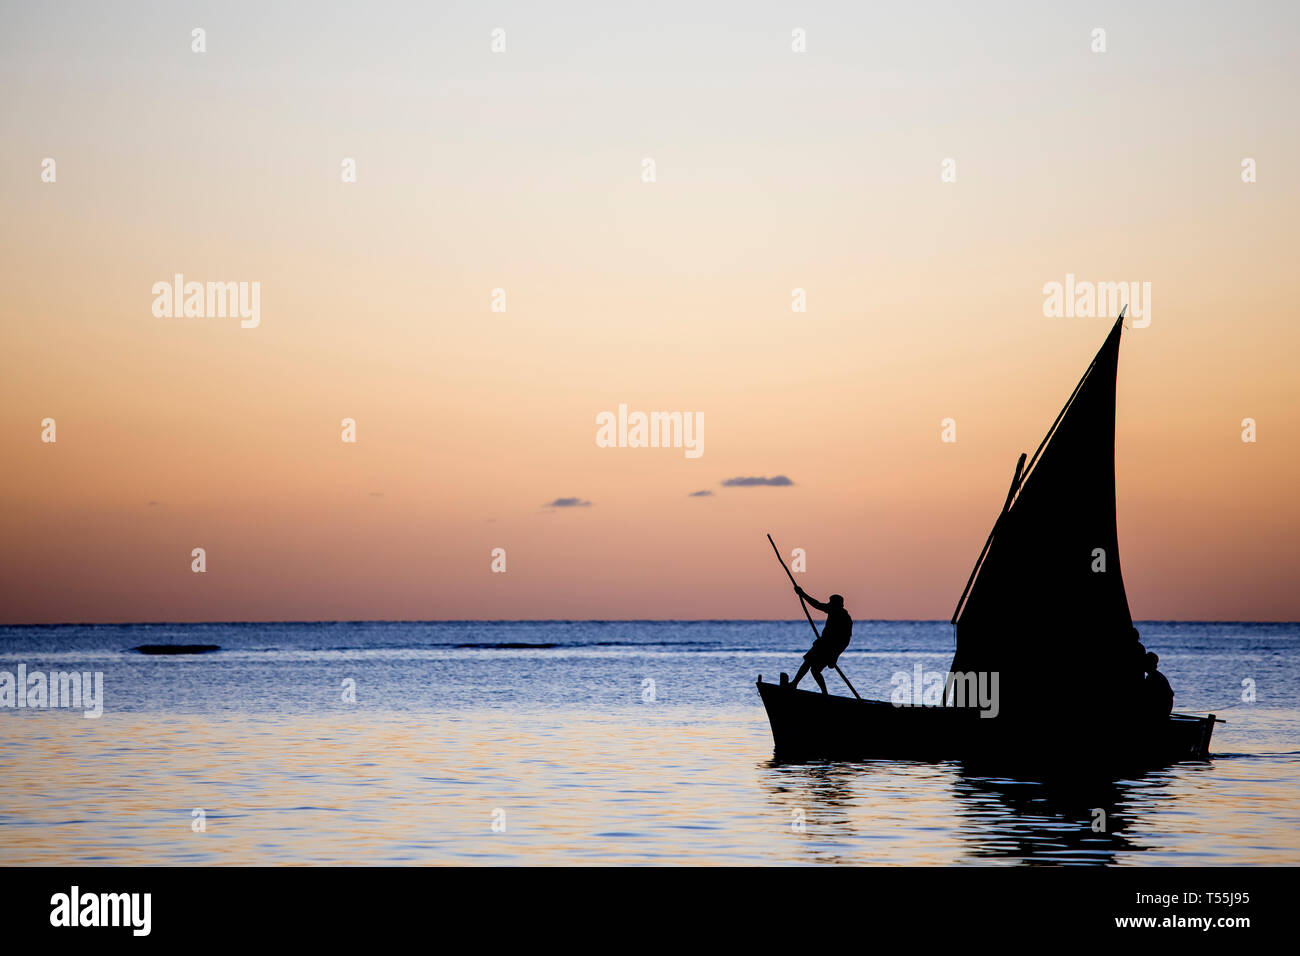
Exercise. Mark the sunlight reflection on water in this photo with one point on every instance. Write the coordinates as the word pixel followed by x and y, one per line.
pixel 382 788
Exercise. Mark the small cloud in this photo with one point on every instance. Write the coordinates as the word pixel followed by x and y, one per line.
pixel 376 494
pixel 775 481
pixel 567 503
pixel 700 494
pixel 154 504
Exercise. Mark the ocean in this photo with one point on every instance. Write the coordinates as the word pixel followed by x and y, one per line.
pixel 590 742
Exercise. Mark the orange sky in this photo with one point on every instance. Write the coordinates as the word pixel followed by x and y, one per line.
pixel 522 171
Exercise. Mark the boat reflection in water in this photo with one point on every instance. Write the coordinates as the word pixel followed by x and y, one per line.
pixel 1037 823
pixel 894 812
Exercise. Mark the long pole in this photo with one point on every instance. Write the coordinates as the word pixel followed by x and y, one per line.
pixel 808 614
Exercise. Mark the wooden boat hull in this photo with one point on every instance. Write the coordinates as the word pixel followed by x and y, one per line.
pixel 807 725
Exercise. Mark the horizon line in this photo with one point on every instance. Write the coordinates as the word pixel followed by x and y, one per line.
pixel 592 620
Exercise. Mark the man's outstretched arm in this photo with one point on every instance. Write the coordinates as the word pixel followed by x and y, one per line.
pixel 824 608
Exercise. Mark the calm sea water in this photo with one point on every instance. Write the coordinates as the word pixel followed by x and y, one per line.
pixel 547 743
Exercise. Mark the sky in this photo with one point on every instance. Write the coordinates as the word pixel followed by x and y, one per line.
pixel 524 170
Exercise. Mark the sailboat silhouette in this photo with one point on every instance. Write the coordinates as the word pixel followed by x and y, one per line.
pixel 1044 610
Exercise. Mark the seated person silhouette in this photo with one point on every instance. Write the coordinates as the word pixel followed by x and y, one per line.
pixel 835 637
pixel 1157 695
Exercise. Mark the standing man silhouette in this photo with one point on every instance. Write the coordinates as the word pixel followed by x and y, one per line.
pixel 835 637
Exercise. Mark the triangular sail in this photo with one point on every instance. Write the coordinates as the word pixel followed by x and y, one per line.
pixel 1041 611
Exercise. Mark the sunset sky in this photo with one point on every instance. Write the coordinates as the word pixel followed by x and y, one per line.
pixel 522 170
